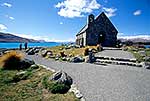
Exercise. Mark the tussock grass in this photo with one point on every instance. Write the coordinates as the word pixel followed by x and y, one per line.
pixel 71 51
pixel 10 60
pixel 30 89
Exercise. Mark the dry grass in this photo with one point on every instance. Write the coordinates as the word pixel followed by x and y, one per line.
pixel 10 60
pixel 30 89
pixel 70 52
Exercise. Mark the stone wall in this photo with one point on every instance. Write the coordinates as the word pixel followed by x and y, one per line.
pixel 100 26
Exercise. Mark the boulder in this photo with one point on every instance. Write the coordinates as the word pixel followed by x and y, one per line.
pixel 77 59
pixel 26 63
pixel 34 66
pixel 146 65
pixel 36 50
pixel 142 53
pixel 91 57
pixel 146 59
pixel 62 77
pixel 50 54
pixel 31 52
pixel 46 52
pixel 57 57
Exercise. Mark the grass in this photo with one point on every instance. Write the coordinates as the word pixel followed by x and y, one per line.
pixel 135 51
pixel 30 89
pixel 11 60
pixel 69 52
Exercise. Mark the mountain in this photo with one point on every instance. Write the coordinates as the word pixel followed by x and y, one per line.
pixel 7 37
pixel 136 40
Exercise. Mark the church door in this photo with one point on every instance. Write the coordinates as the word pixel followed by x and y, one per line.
pixel 101 37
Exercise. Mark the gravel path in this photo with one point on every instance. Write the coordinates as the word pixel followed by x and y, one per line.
pixel 116 53
pixel 105 83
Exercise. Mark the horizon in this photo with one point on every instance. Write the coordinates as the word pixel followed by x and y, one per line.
pixel 61 20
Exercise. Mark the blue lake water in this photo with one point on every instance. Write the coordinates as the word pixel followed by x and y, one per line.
pixel 16 45
pixel 147 46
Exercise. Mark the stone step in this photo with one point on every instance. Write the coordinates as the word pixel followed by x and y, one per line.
pixel 116 58
pixel 111 48
pixel 118 62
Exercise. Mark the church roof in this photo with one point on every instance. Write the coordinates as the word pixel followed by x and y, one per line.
pixel 82 30
pixel 86 26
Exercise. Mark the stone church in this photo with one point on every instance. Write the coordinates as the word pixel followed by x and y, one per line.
pixel 97 30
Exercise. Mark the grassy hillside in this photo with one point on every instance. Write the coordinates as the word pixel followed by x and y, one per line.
pixel 29 88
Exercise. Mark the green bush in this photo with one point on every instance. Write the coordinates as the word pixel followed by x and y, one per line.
pixel 22 76
pixel 55 87
pixel 59 88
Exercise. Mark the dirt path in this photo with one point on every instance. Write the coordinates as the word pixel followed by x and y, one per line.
pixel 105 83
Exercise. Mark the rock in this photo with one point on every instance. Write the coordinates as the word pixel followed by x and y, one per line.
pixel 34 66
pixel 26 63
pixel 99 48
pixel 36 50
pixel 78 94
pixel 21 73
pixel 77 59
pixel 62 77
pixel 91 57
pixel 86 59
pixel 146 65
pixel 49 54
pixel 43 53
pixel 142 53
pixel 146 59
pixel 62 54
pixel 46 52
pixel 27 50
pixel 64 58
pixel 31 52
pixel 20 76
pixel 57 57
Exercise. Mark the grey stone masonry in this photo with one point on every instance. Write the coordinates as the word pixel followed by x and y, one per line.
pixel 97 30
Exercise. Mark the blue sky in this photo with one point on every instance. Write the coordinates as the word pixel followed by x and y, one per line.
pixel 60 20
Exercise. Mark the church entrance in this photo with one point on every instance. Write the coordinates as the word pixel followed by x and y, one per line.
pixel 101 37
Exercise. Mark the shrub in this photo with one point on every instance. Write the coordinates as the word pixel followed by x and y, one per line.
pixel 86 51
pixel 22 76
pixel 59 88
pixel 11 60
pixel 62 54
pixel 99 48
pixel 55 87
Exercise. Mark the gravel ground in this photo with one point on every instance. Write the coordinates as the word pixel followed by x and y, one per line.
pixel 105 83
pixel 116 53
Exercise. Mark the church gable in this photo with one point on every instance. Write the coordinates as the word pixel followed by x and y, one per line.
pixel 103 21
pixel 97 30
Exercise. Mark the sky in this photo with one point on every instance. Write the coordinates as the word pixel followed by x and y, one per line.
pixel 61 20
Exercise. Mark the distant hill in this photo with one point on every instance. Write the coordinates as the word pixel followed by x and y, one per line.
pixel 135 40
pixel 7 37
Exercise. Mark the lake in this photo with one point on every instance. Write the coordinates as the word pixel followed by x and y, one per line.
pixel 147 46
pixel 16 45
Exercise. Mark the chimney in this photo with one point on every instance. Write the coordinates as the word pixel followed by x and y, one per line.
pixel 90 19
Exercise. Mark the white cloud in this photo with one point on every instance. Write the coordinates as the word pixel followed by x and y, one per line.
pixel 7 4
pixel 135 36
pixel 2 27
pixel 137 12
pixel 76 8
pixel 61 23
pixel 46 38
pixel 10 17
pixel 110 12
